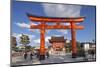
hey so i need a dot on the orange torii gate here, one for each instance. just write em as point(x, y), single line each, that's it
point(43, 26)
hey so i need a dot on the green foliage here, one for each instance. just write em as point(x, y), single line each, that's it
point(15, 49)
point(69, 46)
point(81, 53)
point(28, 48)
point(24, 39)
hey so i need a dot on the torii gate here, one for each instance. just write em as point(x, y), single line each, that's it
point(43, 26)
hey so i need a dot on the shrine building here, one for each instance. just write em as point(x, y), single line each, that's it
point(57, 45)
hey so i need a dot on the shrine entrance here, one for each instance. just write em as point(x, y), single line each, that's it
point(58, 20)
point(57, 46)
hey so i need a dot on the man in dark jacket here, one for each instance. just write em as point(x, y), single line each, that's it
point(25, 55)
point(31, 56)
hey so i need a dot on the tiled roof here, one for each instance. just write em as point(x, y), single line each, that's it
point(57, 39)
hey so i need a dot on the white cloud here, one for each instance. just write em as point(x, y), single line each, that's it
point(63, 31)
point(34, 30)
point(46, 39)
point(16, 35)
point(61, 10)
point(37, 41)
point(23, 25)
point(34, 23)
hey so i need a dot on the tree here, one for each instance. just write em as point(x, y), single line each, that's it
point(78, 45)
point(24, 39)
point(68, 47)
point(28, 48)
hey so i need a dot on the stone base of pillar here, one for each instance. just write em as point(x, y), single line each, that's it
point(74, 55)
point(42, 57)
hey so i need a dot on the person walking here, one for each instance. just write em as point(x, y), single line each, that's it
point(92, 53)
point(25, 55)
point(37, 54)
point(31, 56)
point(47, 54)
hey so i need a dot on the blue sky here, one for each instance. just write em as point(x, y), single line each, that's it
point(20, 20)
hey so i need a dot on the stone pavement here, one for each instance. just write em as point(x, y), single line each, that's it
point(52, 59)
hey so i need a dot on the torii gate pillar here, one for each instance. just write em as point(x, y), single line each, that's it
point(73, 35)
point(42, 43)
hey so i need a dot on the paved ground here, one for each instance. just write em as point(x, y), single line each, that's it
point(52, 59)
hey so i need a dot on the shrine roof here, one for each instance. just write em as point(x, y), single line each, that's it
point(57, 39)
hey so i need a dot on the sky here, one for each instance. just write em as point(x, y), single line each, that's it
point(20, 22)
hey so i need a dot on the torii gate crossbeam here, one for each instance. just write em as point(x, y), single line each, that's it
point(43, 26)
